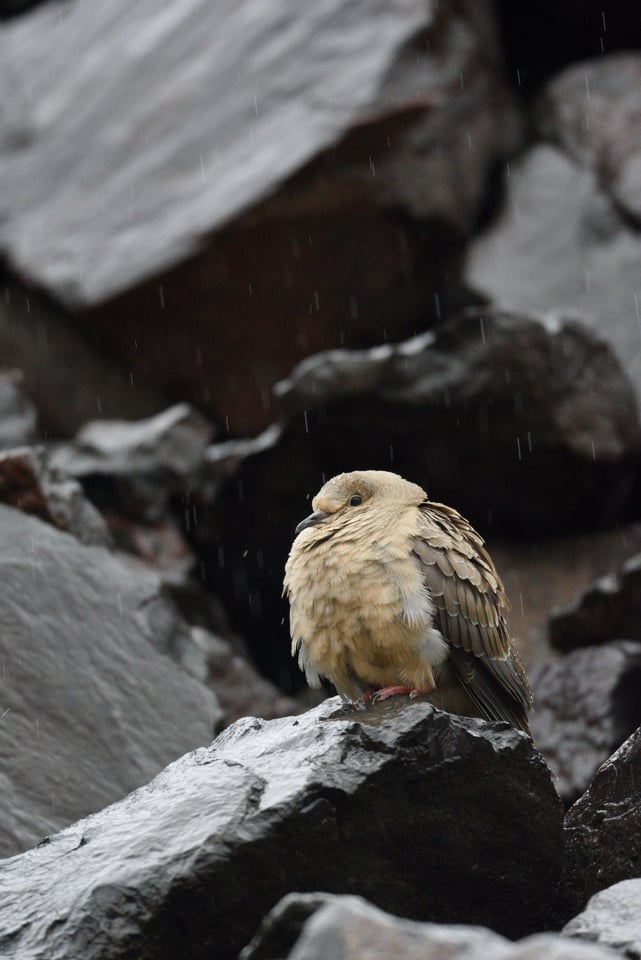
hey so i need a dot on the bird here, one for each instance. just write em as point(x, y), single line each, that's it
point(392, 593)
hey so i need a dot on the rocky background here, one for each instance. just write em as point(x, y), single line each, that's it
point(245, 246)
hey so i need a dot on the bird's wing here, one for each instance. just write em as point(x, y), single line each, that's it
point(471, 601)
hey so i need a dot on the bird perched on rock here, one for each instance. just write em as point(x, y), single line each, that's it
point(392, 593)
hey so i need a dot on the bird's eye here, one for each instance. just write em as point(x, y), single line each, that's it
point(355, 500)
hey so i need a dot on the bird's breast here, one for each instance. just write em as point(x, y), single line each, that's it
point(358, 608)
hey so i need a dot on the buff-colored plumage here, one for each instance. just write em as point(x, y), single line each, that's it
point(388, 589)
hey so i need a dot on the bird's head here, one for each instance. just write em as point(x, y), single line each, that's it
point(363, 493)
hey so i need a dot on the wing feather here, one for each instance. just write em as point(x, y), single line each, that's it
point(471, 603)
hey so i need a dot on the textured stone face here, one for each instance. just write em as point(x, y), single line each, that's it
point(91, 703)
point(612, 917)
point(562, 244)
point(428, 815)
point(603, 836)
point(128, 205)
point(305, 183)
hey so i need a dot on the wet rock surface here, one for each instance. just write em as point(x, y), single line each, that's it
point(587, 704)
point(612, 917)
point(91, 704)
point(313, 802)
point(308, 229)
point(111, 245)
point(316, 926)
point(603, 832)
point(560, 244)
point(352, 150)
point(592, 110)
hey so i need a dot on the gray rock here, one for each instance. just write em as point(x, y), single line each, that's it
point(222, 461)
point(587, 704)
point(137, 466)
point(318, 926)
point(609, 608)
point(314, 196)
point(126, 206)
point(603, 829)
point(550, 372)
point(612, 917)
point(592, 111)
point(91, 704)
point(560, 245)
point(368, 803)
point(171, 442)
point(18, 415)
point(27, 481)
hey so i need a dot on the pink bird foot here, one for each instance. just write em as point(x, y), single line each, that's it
point(386, 692)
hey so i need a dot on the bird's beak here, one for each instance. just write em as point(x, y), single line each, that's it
point(311, 520)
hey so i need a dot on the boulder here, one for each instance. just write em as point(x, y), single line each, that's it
point(91, 705)
point(593, 111)
point(317, 926)
point(612, 917)
point(607, 609)
point(355, 150)
point(136, 466)
point(504, 371)
point(366, 803)
point(603, 829)
point(587, 704)
point(559, 243)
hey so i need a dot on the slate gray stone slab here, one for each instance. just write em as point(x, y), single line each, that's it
point(91, 703)
point(172, 122)
point(427, 814)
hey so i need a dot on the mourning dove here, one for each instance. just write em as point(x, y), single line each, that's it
point(392, 593)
